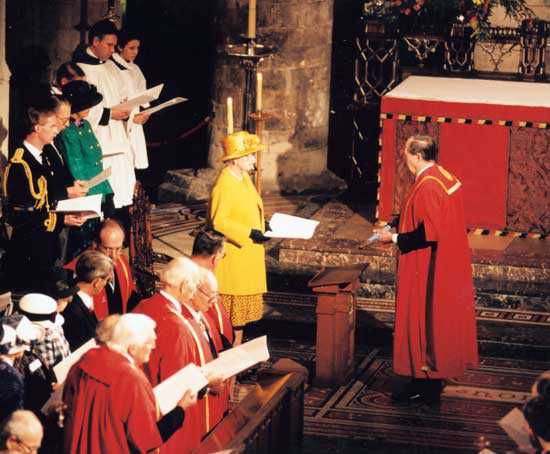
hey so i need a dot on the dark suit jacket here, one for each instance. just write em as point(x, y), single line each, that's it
point(80, 323)
point(58, 175)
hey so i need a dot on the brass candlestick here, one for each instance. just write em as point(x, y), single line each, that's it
point(259, 119)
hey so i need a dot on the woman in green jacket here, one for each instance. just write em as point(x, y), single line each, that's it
point(83, 155)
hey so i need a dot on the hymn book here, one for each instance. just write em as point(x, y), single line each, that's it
point(235, 360)
point(88, 206)
point(287, 226)
point(99, 178)
point(170, 391)
point(164, 105)
point(141, 98)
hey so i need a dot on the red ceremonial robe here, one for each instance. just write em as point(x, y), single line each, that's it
point(124, 278)
point(179, 342)
point(220, 319)
point(435, 327)
point(111, 406)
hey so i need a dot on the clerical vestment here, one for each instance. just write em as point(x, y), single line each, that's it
point(111, 406)
point(179, 342)
point(110, 133)
point(435, 328)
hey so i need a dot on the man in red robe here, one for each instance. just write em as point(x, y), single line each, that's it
point(180, 341)
point(208, 250)
point(110, 403)
point(119, 295)
point(435, 327)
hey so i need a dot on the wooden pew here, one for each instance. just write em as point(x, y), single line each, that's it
point(268, 420)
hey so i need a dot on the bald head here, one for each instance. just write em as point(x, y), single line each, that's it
point(110, 238)
point(21, 432)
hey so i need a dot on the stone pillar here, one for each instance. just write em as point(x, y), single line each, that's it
point(4, 86)
point(296, 91)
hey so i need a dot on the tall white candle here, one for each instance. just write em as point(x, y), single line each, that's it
point(229, 115)
point(251, 19)
point(259, 83)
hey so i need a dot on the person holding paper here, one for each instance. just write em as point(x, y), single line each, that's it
point(84, 157)
point(110, 404)
point(107, 121)
point(236, 210)
point(435, 296)
point(208, 250)
point(180, 341)
point(30, 210)
point(128, 49)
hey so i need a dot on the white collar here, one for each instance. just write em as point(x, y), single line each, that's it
point(89, 51)
point(86, 299)
point(172, 300)
point(118, 58)
point(36, 153)
point(129, 358)
point(196, 315)
point(424, 169)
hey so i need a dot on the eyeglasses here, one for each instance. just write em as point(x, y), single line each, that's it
point(209, 296)
point(26, 448)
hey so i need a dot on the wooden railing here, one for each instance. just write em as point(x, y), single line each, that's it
point(268, 420)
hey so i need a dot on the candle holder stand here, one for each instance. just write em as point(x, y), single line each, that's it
point(250, 53)
point(259, 119)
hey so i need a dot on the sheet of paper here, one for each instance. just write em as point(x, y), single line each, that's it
point(88, 206)
point(61, 369)
point(100, 177)
point(141, 98)
point(164, 105)
point(515, 425)
point(235, 360)
point(170, 391)
point(287, 226)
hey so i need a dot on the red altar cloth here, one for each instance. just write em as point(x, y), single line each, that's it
point(491, 135)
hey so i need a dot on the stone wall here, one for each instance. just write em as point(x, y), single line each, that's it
point(296, 90)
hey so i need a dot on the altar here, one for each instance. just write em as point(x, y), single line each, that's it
point(493, 135)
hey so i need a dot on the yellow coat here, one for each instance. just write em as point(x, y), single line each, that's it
point(235, 209)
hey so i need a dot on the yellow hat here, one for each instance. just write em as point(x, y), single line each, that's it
point(240, 144)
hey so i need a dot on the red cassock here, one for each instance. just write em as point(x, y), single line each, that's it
point(111, 406)
point(435, 327)
point(220, 319)
point(124, 278)
point(179, 342)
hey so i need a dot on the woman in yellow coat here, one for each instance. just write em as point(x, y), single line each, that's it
point(236, 210)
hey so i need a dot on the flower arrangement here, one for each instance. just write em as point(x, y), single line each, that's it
point(437, 16)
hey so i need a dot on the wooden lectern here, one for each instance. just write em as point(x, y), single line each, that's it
point(336, 306)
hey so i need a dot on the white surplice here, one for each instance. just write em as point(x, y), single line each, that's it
point(136, 83)
point(106, 77)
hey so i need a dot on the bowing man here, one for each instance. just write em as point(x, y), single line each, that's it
point(180, 341)
point(110, 404)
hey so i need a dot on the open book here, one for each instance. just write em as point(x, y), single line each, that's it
point(88, 207)
point(235, 360)
point(170, 391)
point(164, 105)
point(287, 226)
point(141, 98)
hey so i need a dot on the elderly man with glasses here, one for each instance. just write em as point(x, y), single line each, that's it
point(21, 433)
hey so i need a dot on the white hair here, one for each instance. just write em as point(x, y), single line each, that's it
point(21, 424)
point(131, 330)
point(182, 274)
point(207, 277)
